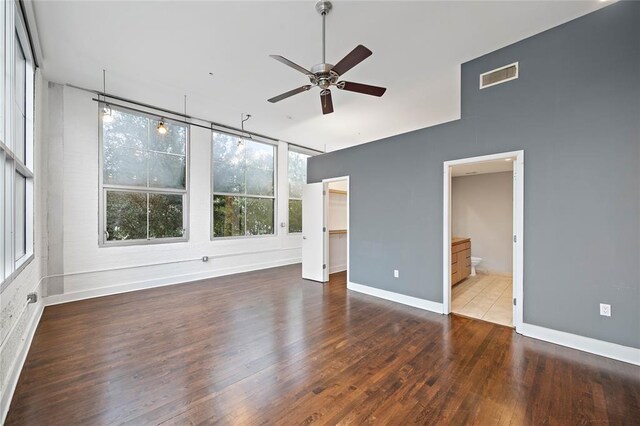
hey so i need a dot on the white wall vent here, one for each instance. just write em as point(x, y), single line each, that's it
point(499, 75)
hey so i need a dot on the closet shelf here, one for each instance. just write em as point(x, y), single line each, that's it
point(337, 231)
point(337, 191)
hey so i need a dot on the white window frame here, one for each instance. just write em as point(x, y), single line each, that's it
point(14, 29)
point(104, 188)
point(274, 197)
point(303, 151)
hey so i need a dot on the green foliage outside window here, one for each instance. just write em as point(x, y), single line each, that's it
point(297, 171)
point(243, 186)
point(144, 177)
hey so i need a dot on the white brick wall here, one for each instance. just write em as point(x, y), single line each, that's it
point(80, 222)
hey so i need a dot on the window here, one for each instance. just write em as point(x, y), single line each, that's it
point(297, 171)
point(16, 144)
point(144, 179)
point(243, 187)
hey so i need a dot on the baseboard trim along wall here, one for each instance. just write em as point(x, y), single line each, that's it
point(165, 281)
point(581, 343)
point(427, 305)
point(16, 368)
point(337, 268)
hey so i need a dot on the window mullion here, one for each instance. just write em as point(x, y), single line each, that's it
point(148, 208)
point(22, 169)
point(147, 153)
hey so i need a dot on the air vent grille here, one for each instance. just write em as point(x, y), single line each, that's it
point(499, 75)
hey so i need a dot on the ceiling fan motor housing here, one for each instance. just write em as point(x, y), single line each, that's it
point(323, 76)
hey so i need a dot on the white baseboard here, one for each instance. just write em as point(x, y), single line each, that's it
point(427, 305)
point(581, 343)
point(494, 273)
point(161, 282)
point(337, 268)
point(16, 368)
point(585, 344)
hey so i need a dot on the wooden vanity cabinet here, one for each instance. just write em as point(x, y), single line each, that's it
point(460, 259)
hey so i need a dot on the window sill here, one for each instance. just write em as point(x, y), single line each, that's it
point(244, 237)
point(27, 260)
point(129, 243)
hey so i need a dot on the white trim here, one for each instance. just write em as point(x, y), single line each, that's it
point(517, 65)
point(18, 364)
point(161, 282)
point(518, 247)
point(581, 343)
point(415, 302)
point(337, 268)
point(30, 19)
point(326, 239)
point(518, 229)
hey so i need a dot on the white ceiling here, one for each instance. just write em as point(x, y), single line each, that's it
point(158, 51)
point(495, 166)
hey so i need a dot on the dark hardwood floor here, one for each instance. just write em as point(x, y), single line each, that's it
point(268, 347)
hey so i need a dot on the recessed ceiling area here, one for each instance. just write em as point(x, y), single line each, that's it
point(480, 168)
point(217, 53)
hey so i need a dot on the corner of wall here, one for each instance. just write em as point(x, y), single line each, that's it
point(19, 318)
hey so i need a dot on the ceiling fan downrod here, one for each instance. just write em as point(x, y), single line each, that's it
point(323, 7)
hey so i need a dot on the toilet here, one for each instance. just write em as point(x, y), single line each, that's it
point(475, 261)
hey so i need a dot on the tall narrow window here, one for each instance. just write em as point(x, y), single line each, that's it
point(243, 187)
point(20, 230)
point(16, 145)
point(144, 179)
point(297, 171)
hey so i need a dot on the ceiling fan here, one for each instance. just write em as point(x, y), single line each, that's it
point(325, 75)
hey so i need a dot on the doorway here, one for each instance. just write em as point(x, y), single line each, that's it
point(482, 237)
point(325, 230)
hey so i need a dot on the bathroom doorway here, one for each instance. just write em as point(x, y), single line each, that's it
point(482, 238)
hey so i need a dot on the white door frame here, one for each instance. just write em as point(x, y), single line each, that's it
point(326, 236)
point(518, 230)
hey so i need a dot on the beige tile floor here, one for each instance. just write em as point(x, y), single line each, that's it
point(486, 297)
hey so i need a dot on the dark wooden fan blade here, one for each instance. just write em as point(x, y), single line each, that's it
point(291, 64)
point(361, 88)
point(326, 101)
point(289, 93)
point(357, 55)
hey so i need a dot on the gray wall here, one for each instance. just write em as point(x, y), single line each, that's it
point(482, 209)
point(575, 111)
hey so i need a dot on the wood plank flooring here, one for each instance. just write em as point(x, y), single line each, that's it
point(267, 347)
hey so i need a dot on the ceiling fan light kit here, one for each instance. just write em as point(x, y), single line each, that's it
point(325, 75)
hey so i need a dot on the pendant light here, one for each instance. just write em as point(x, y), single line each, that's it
point(107, 115)
point(162, 127)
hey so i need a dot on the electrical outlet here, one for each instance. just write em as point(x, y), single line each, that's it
point(396, 273)
point(605, 310)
